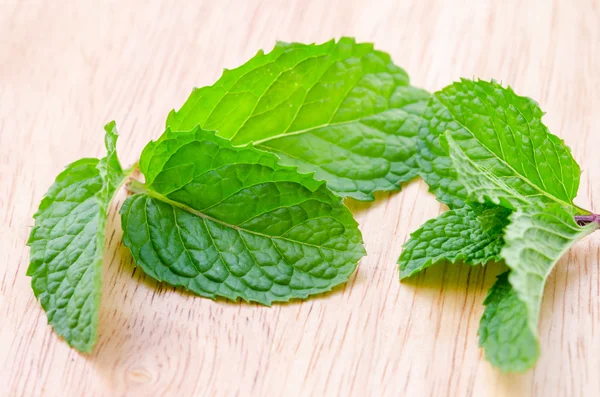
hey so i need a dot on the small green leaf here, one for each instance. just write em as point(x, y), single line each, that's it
point(110, 164)
point(504, 332)
point(472, 234)
point(340, 109)
point(500, 149)
point(67, 243)
point(225, 221)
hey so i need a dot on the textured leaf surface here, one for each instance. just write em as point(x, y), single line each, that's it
point(340, 109)
point(504, 332)
point(500, 149)
point(535, 240)
point(435, 165)
point(67, 242)
point(231, 222)
point(472, 234)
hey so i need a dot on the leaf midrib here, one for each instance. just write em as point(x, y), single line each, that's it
point(138, 187)
point(330, 124)
point(503, 161)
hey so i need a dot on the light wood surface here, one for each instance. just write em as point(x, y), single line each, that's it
point(67, 67)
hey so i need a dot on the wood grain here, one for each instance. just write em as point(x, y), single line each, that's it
point(66, 68)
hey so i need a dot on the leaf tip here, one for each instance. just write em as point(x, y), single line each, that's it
point(111, 127)
point(110, 138)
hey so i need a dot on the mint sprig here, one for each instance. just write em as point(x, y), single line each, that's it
point(484, 144)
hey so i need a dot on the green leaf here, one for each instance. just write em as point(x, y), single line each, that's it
point(472, 235)
point(504, 332)
point(67, 243)
point(536, 239)
point(225, 221)
point(500, 149)
point(340, 109)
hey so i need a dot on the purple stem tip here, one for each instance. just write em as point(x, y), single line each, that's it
point(583, 220)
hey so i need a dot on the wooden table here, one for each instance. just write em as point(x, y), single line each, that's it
point(66, 68)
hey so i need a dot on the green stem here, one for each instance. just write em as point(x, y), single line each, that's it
point(134, 167)
point(135, 186)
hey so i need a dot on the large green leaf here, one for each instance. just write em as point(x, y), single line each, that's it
point(472, 234)
point(230, 221)
point(340, 109)
point(67, 242)
point(500, 149)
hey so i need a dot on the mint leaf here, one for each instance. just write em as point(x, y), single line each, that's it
point(536, 239)
point(67, 243)
point(501, 135)
point(225, 221)
point(504, 332)
point(340, 109)
point(472, 234)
